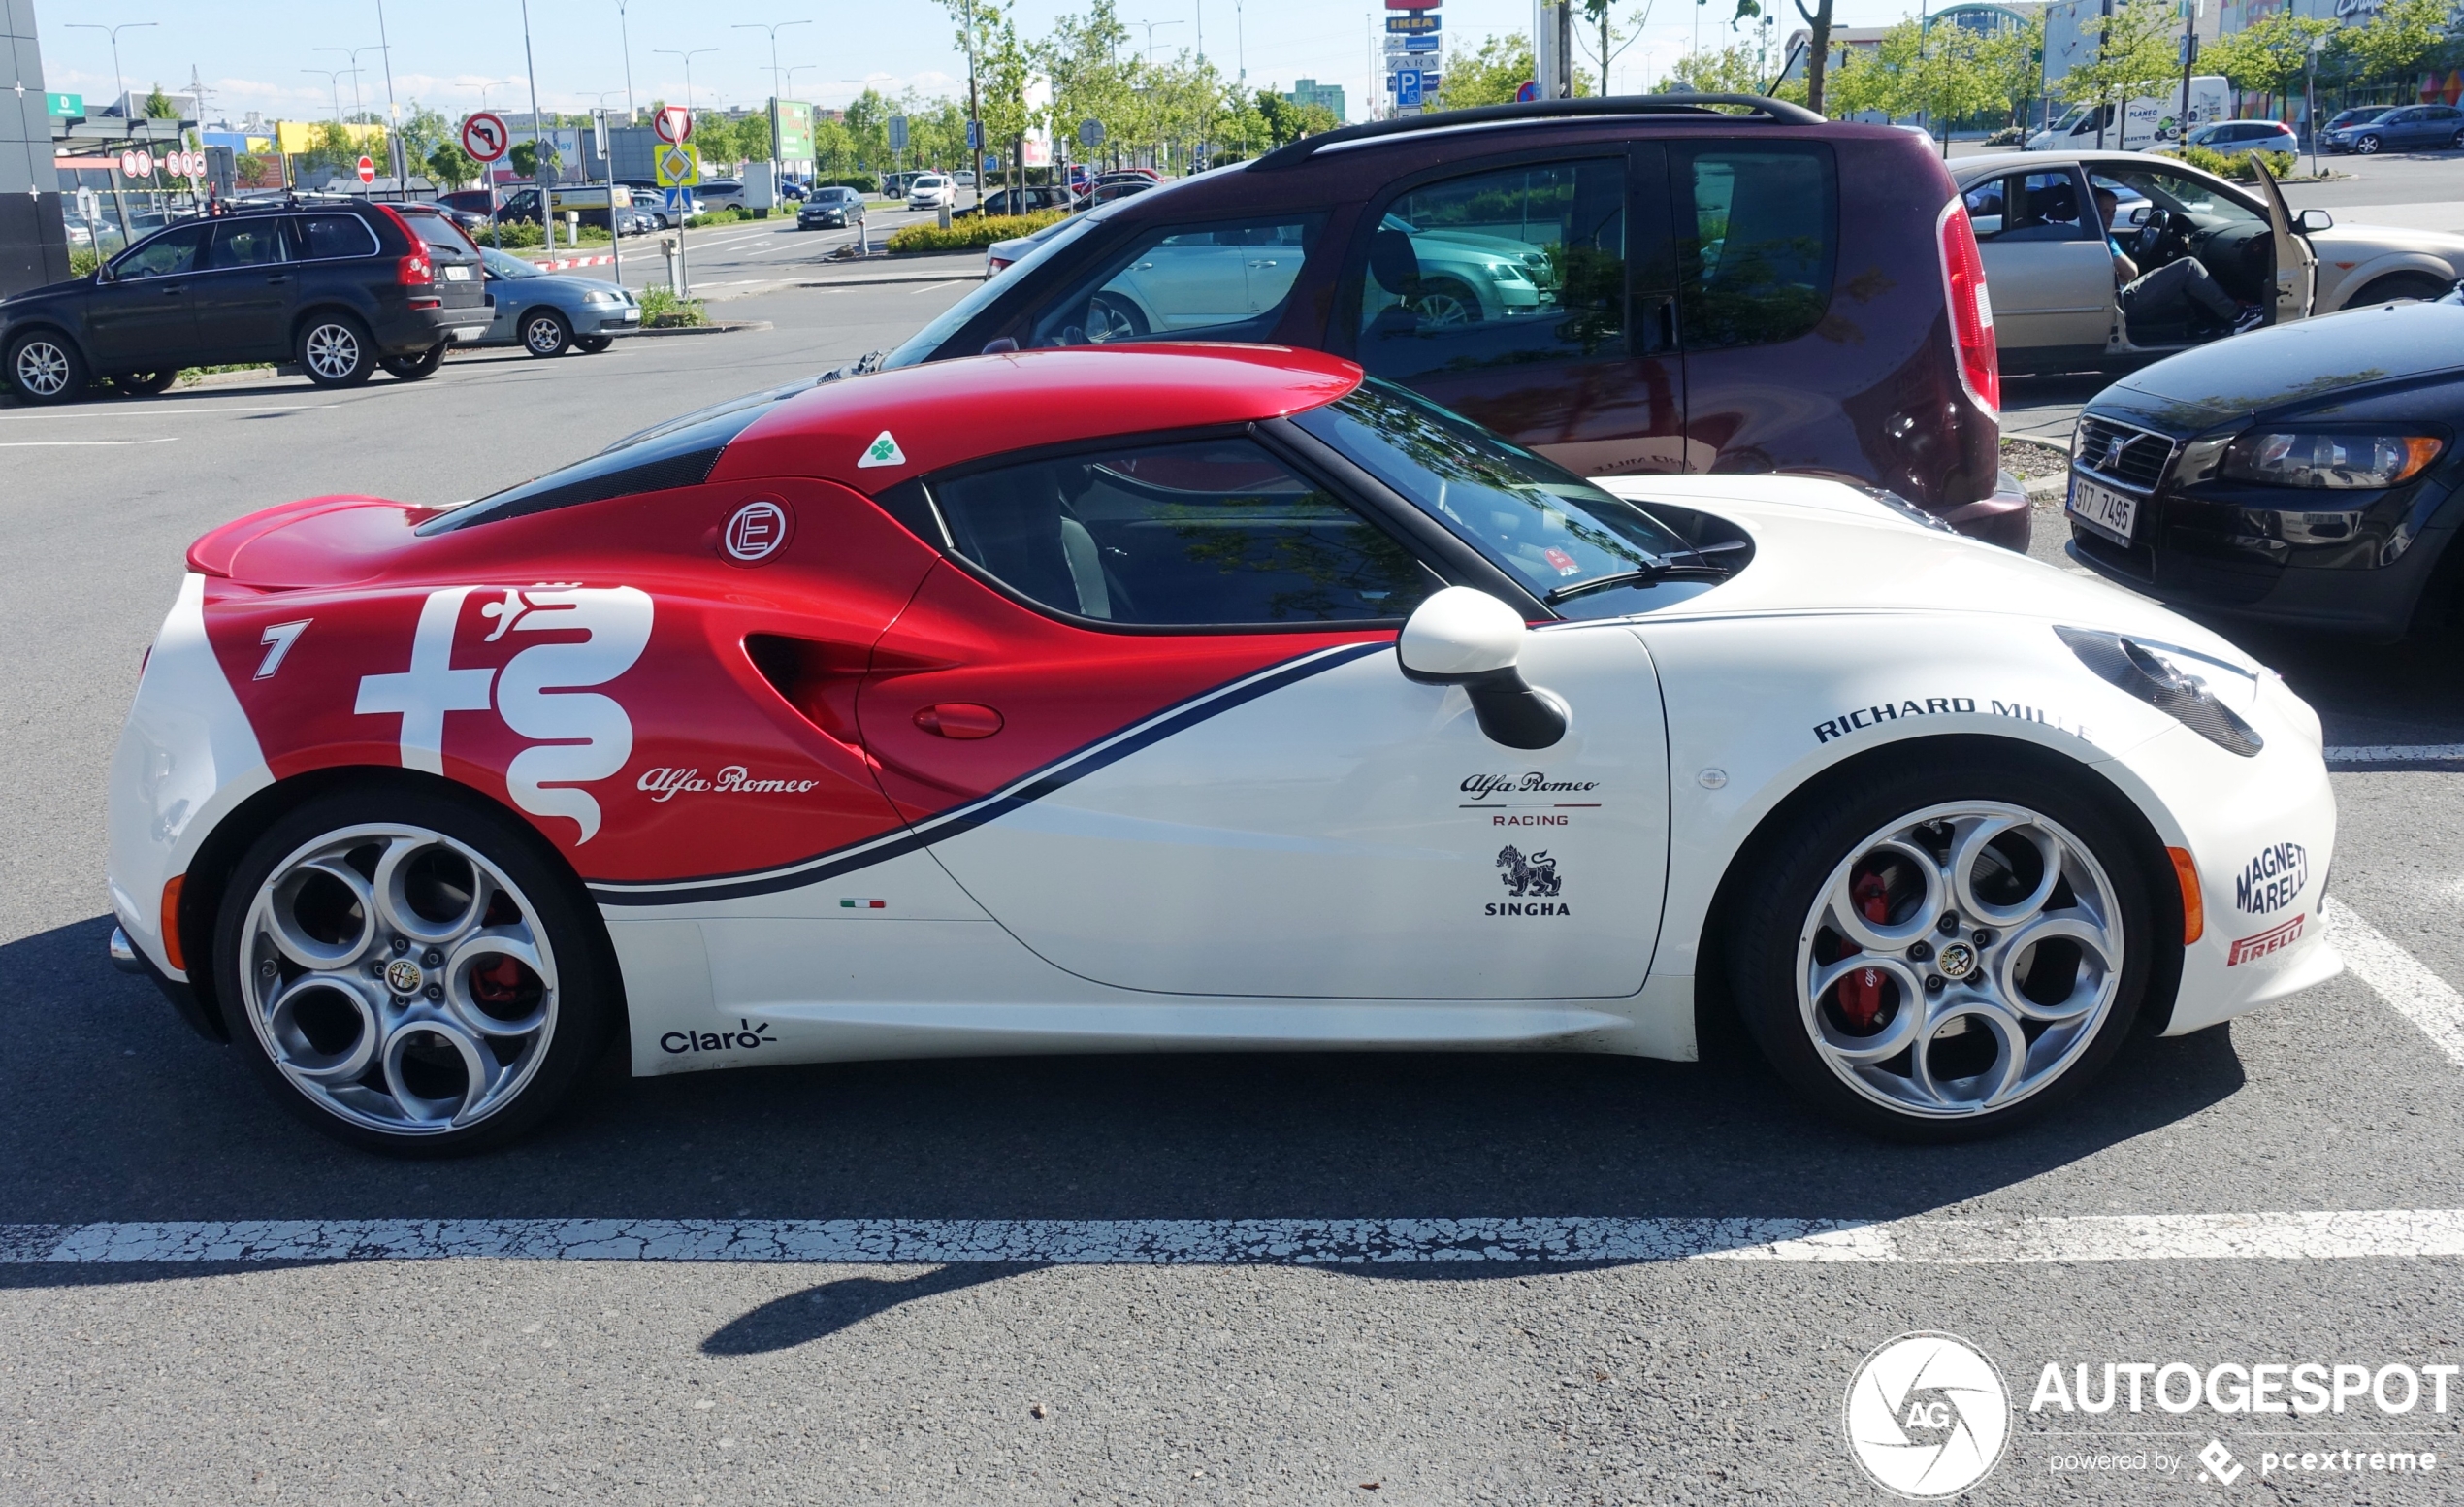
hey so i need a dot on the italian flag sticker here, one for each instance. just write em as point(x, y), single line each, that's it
point(882, 451)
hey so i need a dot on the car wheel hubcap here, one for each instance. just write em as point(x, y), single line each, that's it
point(1441, 310)
point(1960, 959)
point(333, 351)
point(544, 335)
point(43, 369)
point(398, 978)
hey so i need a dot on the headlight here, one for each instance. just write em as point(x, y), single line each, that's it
point(1505, 272)
point(2147, 674)
point(602, 296)
point(2314, 458)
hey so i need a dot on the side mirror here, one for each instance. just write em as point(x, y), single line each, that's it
point(1467, 638)
point(103, 273)
point(2138, 214)
point(2317, 219)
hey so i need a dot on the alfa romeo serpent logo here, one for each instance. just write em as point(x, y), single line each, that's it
point(1927, 1415)
point(404, 977)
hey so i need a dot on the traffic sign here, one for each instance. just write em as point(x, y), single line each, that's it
point(1408, 88)
point(1090, 132)
point(992, 164)
point(366, 170)
point(898, 133)
point(674, 126)
point(975, 136)
point(678, 167)
point(137, 163)
point(89, 206)
point(70, 106)
point(485, 137)
point(1529, 92)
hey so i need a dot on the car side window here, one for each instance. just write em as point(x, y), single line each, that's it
point(1205, 533)
point(168, 254)
point(318, 237)
point(1495, 269)
point(249, 243)
point(2043, 207)
point(1759, 235)
point(1986, 203)
point(1217, 281)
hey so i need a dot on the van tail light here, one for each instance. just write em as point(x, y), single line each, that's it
point(1971, 309)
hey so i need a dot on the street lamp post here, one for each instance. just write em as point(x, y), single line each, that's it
point(334, 76)
point(975, 121)
point(626, 39)
point(531, 71)
point(396, 148)
point(120, 83)
point(773, 28)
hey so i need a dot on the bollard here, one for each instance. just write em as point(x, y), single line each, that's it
point(668, 249)
point(944, 216)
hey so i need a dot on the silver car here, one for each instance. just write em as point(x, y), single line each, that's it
point(549, 312)
point(2052, 275)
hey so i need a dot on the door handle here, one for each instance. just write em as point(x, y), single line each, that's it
point(277, 279)
point(1659, 324)
point(959, 719)
point(174, 292)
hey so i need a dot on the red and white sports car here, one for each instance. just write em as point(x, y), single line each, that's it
point(1137, 699)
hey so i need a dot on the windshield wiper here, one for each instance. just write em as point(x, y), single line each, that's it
point(1659, 568)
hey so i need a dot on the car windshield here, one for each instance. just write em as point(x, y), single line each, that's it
point(1574, 546)
point(920, 345)
point(2206, 203)
point(501, 265)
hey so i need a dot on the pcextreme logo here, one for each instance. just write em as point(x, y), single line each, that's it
point(537, 693)
point(1927, 1415)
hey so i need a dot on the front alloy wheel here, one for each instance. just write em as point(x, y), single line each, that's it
point(44, 369)
point(417, 981)
point(544, 333)
point(1952, 953)
point(2368, 146)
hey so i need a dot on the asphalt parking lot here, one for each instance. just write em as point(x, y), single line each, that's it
point(1197, 1279)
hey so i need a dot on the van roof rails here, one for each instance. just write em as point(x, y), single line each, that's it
point(1777, 111)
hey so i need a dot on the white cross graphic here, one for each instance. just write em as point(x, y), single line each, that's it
point(431, 687)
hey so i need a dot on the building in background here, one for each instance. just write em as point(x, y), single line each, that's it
point(1308, 91)
point(34, 243)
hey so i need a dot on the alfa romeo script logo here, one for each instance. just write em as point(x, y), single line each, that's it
point(1927, 1415)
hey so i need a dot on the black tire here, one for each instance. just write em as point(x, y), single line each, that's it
point(143, 384)
point(2399, 286)
point(2367, 145)
point(1122, 319)
point(44, 367)
point(336, 350)
point(1773, 929)
point(412, 369)
point(593, 345)
point(579, 1006)
point(544, 333)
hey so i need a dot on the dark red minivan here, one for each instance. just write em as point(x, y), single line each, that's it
point(1627, 286)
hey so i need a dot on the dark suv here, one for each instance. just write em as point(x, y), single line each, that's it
point(339, 288)
point(1626, 286)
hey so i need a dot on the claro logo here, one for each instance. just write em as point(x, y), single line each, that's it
point(748, 1037)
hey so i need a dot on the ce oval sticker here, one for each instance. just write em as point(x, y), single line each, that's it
point(757, 532)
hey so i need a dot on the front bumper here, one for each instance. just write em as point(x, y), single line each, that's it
point(608, 319)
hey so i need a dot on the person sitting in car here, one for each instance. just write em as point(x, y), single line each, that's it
point(2179, 293)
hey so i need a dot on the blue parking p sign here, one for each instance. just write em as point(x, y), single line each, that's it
point(1407, 88)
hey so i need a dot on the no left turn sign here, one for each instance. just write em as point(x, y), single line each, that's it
point(485, 137)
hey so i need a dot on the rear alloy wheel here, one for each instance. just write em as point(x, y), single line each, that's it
point(2368, 146)
point(413, 976)
point(143, 384)
point(593, 345)
point(335, 351)
point(2400, 286)
point(45, 367)
point(1443, 304)
point(412, 369)
point(1111, 319)
point(544, 333)
point(1937, 969)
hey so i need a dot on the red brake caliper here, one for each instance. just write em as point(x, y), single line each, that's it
point(1861, 993)
point(497, 982)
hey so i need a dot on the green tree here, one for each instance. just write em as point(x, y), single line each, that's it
point(448, 166)
point(2012, 59)
point(1731, 69)
point(2138, 57)
point(1491, 75)
point(2268, 56)
point(2397, 38)
point(159, 106)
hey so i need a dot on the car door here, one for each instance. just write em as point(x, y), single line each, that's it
point(246, 292)
point(1148, 716)
point(1536, 296)
point(145, 320)
point(2296, 264)
point(1191, 281)
point(2047, 267)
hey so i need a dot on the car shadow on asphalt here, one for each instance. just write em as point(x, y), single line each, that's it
point(111, 1110)
point(819, 1312)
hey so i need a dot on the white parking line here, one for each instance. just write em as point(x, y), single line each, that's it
point(2345, 1235)
point(45, 445)
point(2411, 990)
point(2396, 753)
point(938, 286)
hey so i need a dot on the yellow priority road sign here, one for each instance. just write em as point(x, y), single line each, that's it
point(679, 167)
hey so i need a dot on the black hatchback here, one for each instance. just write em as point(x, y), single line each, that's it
point(339, 288)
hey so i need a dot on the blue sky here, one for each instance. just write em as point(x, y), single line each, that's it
point(251, 55)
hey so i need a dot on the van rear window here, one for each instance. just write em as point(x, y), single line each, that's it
point(1759, 237)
